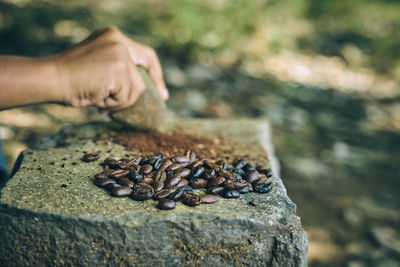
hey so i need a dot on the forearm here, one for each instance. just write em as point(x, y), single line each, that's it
point(26, 81)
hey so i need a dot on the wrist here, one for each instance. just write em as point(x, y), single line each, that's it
point(53, 79)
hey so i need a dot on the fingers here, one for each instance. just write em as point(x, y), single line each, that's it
point(129, 93)
point(147, 58)
point(115, 57)
point(138, 85)
point(110, 30)
point(156, 75)
point(108, 103)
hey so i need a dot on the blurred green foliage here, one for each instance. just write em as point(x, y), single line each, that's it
point(208, 29)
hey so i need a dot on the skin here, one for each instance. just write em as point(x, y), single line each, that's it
point(100, 71)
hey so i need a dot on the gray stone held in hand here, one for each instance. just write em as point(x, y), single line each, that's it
point(148, 111)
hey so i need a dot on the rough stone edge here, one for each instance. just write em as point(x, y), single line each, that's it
point(117, 244)
point(264, 134)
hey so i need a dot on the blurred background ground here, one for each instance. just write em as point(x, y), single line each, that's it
point(325, 73)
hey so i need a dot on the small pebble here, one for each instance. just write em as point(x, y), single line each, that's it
point(254, 202)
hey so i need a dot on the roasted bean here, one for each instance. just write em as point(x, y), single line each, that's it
point(185, 164)
point(125, 164)
point(192, 156)
point(146, 169)
point(215, 190)
point(136, 177)
point(244, 190)
point(102, 182)
point(172, 180)
point(165, 165)
point(91, 157)
point(238, 184)
point(158, 186)
point(121, 191)
point(228, 184)
point(224, 165)
point(117, 174)
point(160, 176)
point(136, 160)
point(237, 176)
point(174, 167)
point(251, 189)
point(208, 199)
point(216, 182)
point(155, 156)
point(180, 192)
point(151, 161)
point(165, 192)
point(159, 155)
point(110, 187)
point(225, 173)
point(237, 171)
point(134, 168)
point(209, 174)
point(183, 182)
point(180, 159)
point(262, 179)
point(126, 182)
point(196, 164)
point(142, 192)
point(187, 154)
point(220, 162)
point(191, 199)
point(113, 163)
point(248, 167)
point(211, 165)
point(267, 172)
point(198, 183)
point(230, 194)
point(263, 188)
point(196, 173)
point(252, 176)
point(158, 163)
point(147, 180)
point(183, 173)
point(240, 164)
point(166, 204)
point(102, 175)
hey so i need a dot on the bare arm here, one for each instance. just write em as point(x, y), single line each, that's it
point(101, 71)
point(27, 80)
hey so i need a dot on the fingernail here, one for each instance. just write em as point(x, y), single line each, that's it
point(164, 94)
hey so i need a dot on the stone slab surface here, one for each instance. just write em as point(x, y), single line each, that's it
point(51, 213)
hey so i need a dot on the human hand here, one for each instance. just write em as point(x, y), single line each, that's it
point(102, 71)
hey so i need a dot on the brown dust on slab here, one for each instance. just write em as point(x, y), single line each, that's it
point(176, 143)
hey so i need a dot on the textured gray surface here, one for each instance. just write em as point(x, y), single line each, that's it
point(147, 112)
point(43, 223)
